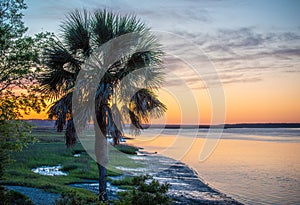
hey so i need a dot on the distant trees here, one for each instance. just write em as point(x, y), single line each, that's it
point(82, 34)
point(18, 59)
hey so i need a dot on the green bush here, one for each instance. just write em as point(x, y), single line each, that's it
point(151, 193)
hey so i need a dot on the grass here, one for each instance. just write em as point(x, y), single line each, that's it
point(51, 151)
point(12, 197)
point(127, 149)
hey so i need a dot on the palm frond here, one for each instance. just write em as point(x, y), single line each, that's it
point(115, 124)
point(60, 74)
point(103, 26)
point(144, 104)
point(128, 24)
point(107, 25)
point(76, 32)
point(143, 68)
point(61, 111)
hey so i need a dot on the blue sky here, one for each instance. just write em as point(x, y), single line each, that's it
point(249, 42)
point(196, 15)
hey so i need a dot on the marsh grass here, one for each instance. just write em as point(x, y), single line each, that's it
point(51, 151)
point(13, 197)
point(127, 149)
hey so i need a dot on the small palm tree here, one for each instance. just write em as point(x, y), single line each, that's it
point(82, 34)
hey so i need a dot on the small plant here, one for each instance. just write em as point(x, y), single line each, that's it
point(145, 192)
point(72, 198)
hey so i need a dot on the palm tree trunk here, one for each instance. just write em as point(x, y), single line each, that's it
point(102, 183)
point(101, 151)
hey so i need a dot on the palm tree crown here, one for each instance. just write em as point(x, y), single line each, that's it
point(82, 33)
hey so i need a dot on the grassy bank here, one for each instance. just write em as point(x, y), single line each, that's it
point(51, 151)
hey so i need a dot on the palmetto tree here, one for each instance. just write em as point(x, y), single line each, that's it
point(82, 34)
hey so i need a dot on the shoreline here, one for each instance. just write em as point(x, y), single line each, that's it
point(187, 187)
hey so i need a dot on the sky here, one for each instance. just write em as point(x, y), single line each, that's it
point(226, 61)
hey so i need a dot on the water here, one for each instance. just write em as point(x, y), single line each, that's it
point(37, 196)
point(254, 166)
point(93, 186)
point(49, 171)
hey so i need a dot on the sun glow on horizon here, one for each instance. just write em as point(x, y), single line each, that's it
point(245, 103)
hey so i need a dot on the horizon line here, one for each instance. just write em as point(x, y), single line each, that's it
point(201, 125)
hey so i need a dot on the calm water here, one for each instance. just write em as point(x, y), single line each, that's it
point(254, 166)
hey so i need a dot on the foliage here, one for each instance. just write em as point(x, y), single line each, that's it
point(17, 51)
point(18, 61)
point(145, 192)
point(14, 135)
point(82, 34)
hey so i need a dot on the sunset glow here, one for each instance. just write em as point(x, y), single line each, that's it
point(255, 54)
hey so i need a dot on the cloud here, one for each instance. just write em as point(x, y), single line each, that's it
point(241, 55)
point(243, 37)
point(180, 74)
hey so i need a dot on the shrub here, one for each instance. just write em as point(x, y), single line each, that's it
point(146, 193)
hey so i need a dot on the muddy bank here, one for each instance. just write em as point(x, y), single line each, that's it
point(186, 187)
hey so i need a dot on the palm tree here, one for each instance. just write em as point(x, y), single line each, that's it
point(82, 33)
